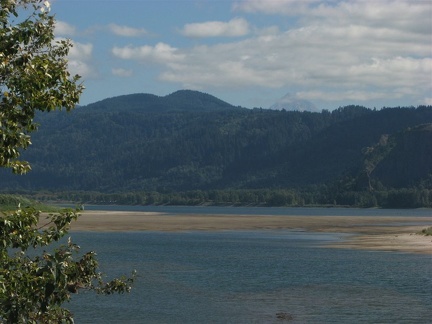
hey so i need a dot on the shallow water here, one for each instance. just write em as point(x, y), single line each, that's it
point(250, 276)
point(279, 211)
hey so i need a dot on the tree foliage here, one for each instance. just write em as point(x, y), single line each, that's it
point(37, 273)
point(334, 194)
point(33, 287)
point(33, 75)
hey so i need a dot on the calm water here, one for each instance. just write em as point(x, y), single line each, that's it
point(250, 276)
point(287, 211)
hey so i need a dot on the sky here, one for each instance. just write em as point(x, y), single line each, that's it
point(251, 53)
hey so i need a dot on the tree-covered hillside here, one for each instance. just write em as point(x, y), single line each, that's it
point(190, 140)
point(401, 160)
point(182, 100)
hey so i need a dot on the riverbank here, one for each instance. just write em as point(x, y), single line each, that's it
point(384, 233)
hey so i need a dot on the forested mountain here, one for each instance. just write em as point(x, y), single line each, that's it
point(183, 100)
point(400, 160)
point(189, 140)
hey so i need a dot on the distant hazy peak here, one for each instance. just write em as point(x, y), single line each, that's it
point(291, 102)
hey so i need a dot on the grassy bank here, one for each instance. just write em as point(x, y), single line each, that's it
point(10, 202)
point(427, 231)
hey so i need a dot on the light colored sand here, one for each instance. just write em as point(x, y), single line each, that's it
point(371, 233)
point(405, 242)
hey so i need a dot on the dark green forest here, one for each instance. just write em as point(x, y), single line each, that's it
point(192, 148)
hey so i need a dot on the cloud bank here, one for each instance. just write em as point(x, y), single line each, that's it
point(234, 28)
point(127, 31)
point(327, 51)
point(80, 60)
point(356, 50)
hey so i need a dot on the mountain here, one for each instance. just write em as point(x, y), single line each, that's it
point(291, 103)
point(402, 159)
point(182, 100)
point(189, 140)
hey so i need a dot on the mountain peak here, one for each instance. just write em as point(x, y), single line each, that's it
point(192, 100)
point(292, 102)
point(182, 100)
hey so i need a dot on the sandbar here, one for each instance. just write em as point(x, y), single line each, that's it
point(384, 233)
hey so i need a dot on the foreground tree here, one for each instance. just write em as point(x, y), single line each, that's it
point(33, 287)
point(33, 75)
point(35, 277)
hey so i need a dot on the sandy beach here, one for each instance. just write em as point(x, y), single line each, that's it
point(371, 233)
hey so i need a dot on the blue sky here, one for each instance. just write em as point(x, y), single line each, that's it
point(253, 52)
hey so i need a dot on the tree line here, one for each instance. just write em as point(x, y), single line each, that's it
point(323, 195)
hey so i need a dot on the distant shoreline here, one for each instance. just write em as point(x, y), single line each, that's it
point(385, 233)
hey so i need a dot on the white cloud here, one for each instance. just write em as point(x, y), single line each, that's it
point(267, 31)
point(353, 50)
point(286, 7)
point(403, 15)
point(160, 53)
point(80, 60)
point(340, 59)
point(126, 31)
point(124, 73)
point(64, 29)
point(81, 51)
point(233, 28)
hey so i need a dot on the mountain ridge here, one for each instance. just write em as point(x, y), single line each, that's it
point(181, 100)
point(180, 147)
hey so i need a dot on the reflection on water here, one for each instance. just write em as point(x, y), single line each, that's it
point(249, 277)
